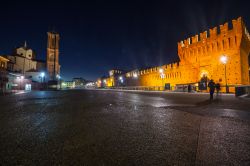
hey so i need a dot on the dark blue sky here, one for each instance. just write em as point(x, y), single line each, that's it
point(100, 35)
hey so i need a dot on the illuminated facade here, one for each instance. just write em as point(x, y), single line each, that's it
point(3, 73)
point(68, 85)
point(200, 57)
point(23, 63)
point(53, 66)
point(79, 82)
point(23, 59)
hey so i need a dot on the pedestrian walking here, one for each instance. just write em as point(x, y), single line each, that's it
point(189, 88)
point(217, 87)
point(211, 86)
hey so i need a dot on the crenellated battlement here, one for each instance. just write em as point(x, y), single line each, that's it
point(172, 66)
point(200, 55)
point(166, 67)
point(224, 29)
point(213, 33)
point(217, 40)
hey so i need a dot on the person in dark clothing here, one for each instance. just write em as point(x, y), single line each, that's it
point(217, 87)
point(211, 86)
point(189, 88)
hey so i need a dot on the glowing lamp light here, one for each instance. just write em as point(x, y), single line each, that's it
point(223, 59)
point(161, 71)
point(121, 79)
point(22, 77)
point(135, 75)
point(104, 81)
point(42, 74)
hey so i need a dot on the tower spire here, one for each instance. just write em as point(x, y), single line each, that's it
point(25, 44)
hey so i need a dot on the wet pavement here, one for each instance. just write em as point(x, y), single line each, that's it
point(100, 127)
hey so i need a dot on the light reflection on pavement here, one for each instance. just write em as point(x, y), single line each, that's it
point(123, 128)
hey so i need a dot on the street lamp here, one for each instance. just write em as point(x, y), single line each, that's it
point(161, 71)
point(224, 60)
point(135, 75)
point(104, 83)
point(162, 75)
point(59, 79)
point(42, 75)
point(121, 79)
point(58, 76)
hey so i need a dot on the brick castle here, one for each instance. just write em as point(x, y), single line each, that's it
point(199, 58)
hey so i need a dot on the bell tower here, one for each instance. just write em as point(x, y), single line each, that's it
point(53, 66)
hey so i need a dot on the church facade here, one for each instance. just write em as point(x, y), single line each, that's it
point(23, 59)
point(221, 54)
point(22, 63)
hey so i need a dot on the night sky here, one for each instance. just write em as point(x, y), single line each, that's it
point(100, 35)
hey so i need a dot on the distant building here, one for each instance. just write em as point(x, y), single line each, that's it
point(68, 84)
point(79, 82)
point(102, 82)
point(90, 85)
point(3, 63)
point(3, 73)
point(115, 72)
point(115, 78)
point(35, 76)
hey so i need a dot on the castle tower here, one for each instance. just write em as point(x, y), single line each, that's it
point(53, 66)
point(203, 52)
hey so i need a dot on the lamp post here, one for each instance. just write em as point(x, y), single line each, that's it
point(59, 79)
point(121, 79)
point(135, 75)
point(42, 75)
point(162, 75)
point(224, 60)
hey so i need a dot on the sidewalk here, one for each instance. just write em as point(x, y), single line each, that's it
point(16, 92)
point(146, 91)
